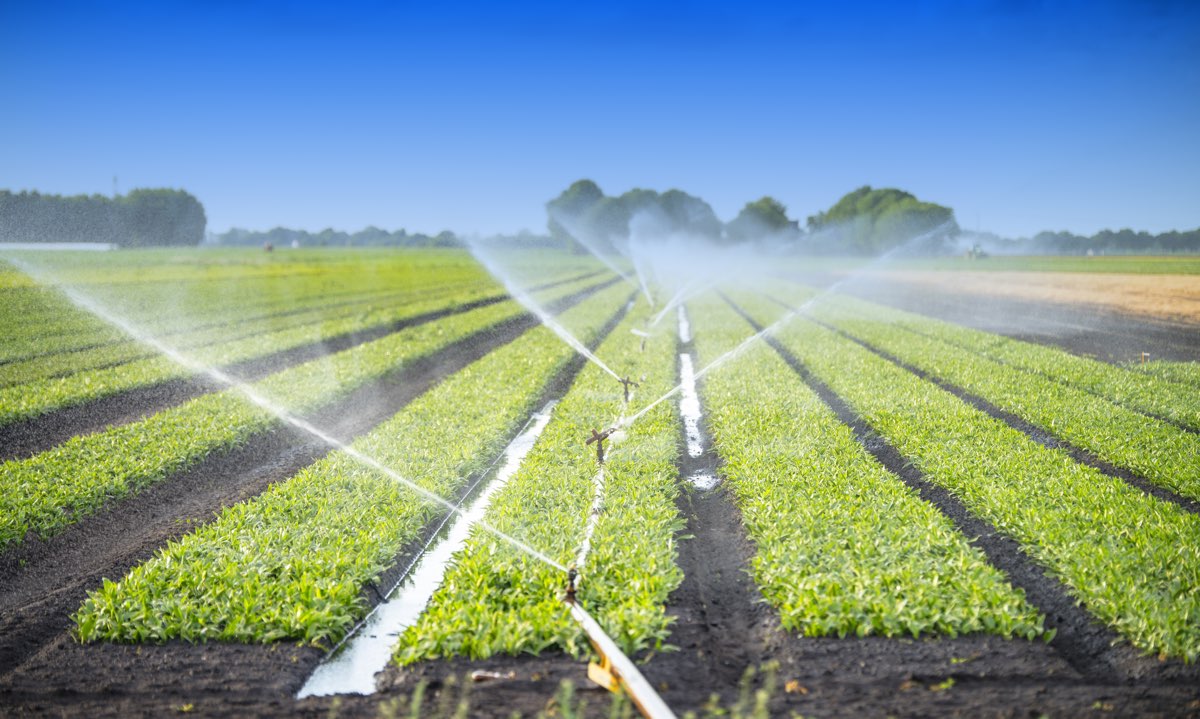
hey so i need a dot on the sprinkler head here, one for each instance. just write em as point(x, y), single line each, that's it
point(598, 438)
point(627, 383)
point(572, 574)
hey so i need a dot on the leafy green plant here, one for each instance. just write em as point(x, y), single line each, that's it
point(41, 396)
point(1131, 559)
point(496, 600)
point(293, 562)
point(1162, 453)
point(49, 491)
point(843, 547)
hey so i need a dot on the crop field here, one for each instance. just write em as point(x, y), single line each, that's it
point(221, 472)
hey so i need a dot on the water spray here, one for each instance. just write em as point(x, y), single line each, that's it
point(573, 229)
point(177, 356)
point(489, 262)
point(779, 323)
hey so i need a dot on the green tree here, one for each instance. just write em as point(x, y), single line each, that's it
point(870, 221)
point(763, 218)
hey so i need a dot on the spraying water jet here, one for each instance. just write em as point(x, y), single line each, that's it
point(91, 305)
point(492, 265)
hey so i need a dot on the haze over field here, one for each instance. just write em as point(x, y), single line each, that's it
point(1021, 116)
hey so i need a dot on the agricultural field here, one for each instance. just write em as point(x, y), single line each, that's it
point(223, 472)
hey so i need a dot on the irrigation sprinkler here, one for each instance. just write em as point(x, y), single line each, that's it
point(598, 438)
point(572, 575)
point(643, 335)
point(626, 383)
point(615, 671)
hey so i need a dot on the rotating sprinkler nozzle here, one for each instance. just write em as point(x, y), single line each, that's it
point(598, 438)
point(627, 383)
point(572, 575)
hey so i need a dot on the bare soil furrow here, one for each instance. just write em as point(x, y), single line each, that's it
point(722, 624)
point(1034, 432)
point(1086, 330)
point(1082, 641)
point(29, 437)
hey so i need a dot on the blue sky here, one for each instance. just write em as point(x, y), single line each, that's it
point(1022, 115)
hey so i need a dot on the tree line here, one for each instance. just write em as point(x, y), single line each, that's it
point(583, 213)
point(368, 237)
point(865, 221)
point(142, 218)
point(1105, 242)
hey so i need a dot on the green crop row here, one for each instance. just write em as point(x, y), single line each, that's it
point(1187, 373)
point(1132, 560)
point(169, 292)
point(38, 320)
point(293, 562)
point(843, 546)
point(211, 338)
point(1162, 453)
point(1157, 396)
point(497, 600)
point(46, 492)
point(37, 398)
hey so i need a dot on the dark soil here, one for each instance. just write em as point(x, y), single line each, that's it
point(722, 628)
point(1034, 432)
point(37, 434)
point(1106, 335)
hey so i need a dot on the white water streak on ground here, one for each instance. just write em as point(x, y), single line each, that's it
point(351, 668)
point(95, 307)
point(689, 407)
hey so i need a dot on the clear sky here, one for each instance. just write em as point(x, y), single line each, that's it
point(1021, 115)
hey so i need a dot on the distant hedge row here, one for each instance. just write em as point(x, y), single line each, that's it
point(142, 218)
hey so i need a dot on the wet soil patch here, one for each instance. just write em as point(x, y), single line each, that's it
point(721, 625)
point(1084, 330)
point(38, 434)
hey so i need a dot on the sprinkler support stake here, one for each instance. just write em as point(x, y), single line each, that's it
point(627, 383)
point(598, 438)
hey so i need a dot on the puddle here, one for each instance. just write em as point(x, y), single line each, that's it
point(352, 666)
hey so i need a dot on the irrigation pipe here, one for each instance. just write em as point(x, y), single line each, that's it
point(615, 670)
